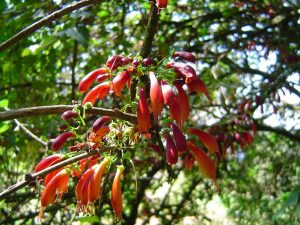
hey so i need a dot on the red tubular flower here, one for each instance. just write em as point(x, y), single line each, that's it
point(116, 194)
point(50, 175)
point(171, 150)
point(100, 122)
point(183, 102)
point(206, 166)
point(61, 139)
point(162, 3)
point(69, 114)
point(175, 112)
point(185, 55)
point(207, 140)
point(100, 91)
point(168, 94)
point(143, 113)
point(120, 81)
point(156, 96)
point(179, 138)
point(87, 81)
point(102, 77)
point(95, 184)
point(183, 71)
point(58, 183)
point(199, 87)
point(48, 161)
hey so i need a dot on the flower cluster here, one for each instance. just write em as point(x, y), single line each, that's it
point(162, 110)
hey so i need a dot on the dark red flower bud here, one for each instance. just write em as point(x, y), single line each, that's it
point(69, 114)
point(63, 127)
point(148, 62)
point(135, 62)
point(61, 139)
point(114, 62)
point(100, 122)
point(126, 61)
point(171, 150)
point(185, 55)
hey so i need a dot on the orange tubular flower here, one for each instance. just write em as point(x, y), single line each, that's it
point(207, 140)
point(98, 136)
point(87, 81)
point(143, 113)
point(206, 166)
point(58, 183)
point(95, 184)
point(116, 194)
point(98, 92)
point(81, 188)
point(156, 96)
point(199, 87)
point(120, 81)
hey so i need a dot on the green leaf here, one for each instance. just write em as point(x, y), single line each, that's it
point(3, 103)
point(26, 52)
point(4, 126)
point(103, 13)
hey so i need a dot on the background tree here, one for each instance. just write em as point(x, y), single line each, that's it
point(247, 55)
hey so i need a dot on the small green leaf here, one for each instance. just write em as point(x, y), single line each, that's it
point(4, 126)
point(103, 13)
point(26, 52)
point(3, 103)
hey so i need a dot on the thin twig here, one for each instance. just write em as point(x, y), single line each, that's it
point(30, 134)
point(57, 109)
point(46, 20)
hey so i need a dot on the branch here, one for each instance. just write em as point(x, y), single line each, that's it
point(46, 20)
point(30, 134)
point(150, 31)
point(278, 130)
point(57, 109)
point(147, 43)
point(31, 177)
